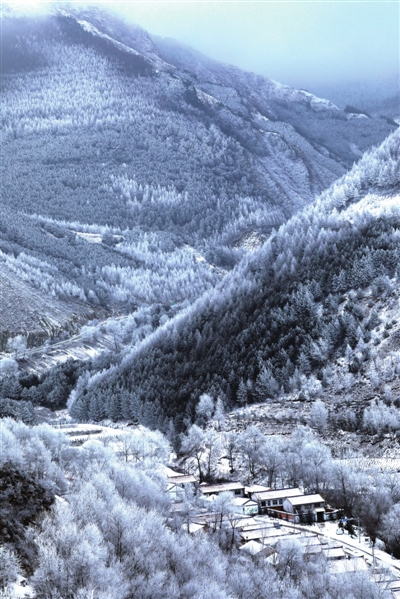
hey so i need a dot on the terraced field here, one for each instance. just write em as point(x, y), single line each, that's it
point(29, 312)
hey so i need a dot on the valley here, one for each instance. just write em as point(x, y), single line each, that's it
point(251, 163)
point(199, 304)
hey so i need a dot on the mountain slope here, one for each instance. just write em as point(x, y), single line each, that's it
point(278, 316)
point(326, 128)
point(115, 154)
point(94, 113)
point(34, 315)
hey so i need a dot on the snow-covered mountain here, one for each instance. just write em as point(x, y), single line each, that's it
point(279, 316)
point(193, 212)
point(147, 146)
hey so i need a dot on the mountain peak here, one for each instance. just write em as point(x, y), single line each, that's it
point(127, 37)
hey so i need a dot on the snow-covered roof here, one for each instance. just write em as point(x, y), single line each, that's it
point(193, 527)
point(313, 549)
point(244, 522)
point(306, 499)
point(172, 473)
point(182, 479)
point(278, 494)
point(309, 540)
point(243, 501)
point(220, 488)
point(334, 553)
point(349, 566)
point(256, 489)
point(271, 534)
point(252, 547)
point(258, 525)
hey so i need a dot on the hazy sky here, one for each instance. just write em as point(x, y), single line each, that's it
point(295, 42)
point(298, 42)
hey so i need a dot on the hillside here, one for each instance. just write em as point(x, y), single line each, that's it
point(35, 316)
point(375, 98)
point(199, 325)
point(119, 148)
point(279, 316)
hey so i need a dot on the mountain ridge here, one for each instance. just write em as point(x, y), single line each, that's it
point(160, 164)
point(269, 325)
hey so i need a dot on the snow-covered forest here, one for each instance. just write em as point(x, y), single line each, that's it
point(123, 144)
point(97, 521)
point(224, 249)
point(254, 340)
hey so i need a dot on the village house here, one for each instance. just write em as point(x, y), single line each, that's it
point(271, 502)
point(306, 507)
point(262, 536)
point(244, 505)
point(254, 489)
point(254, 548)
point(233, 487)
point(178, 484)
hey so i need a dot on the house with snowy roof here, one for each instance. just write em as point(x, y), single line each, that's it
point(306, 508)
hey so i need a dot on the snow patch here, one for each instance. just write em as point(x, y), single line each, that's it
point(21, 590)
point(251, 241)
point(90, 28)
point(90, 237)
point(261, 117)
point(206, 98)
point(303, 97)
point(355, 149)
point(375, 205)
point(352, 116)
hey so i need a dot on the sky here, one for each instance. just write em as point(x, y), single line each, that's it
point(298, 42)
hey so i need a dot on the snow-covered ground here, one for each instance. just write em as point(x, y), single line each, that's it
point(90, 237)
point(21, 590)
point(79, 433)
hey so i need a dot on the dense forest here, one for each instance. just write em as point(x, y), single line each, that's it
point(113, 211)
point(107, 132)
point(207, 236)
point(278, 316)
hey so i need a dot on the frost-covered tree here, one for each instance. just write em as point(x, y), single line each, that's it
point(212, 442)
point(319, 416)
point(271, 460)
point(390, 530)
point(251, 444)
point(17, 345)
point(10, 568)
point(372, 507)
point(205, 407)
point(219, 413)
point(8, 366)
point(230, 444)
point(193, 446)
point(290, 560)
point(379, 417)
